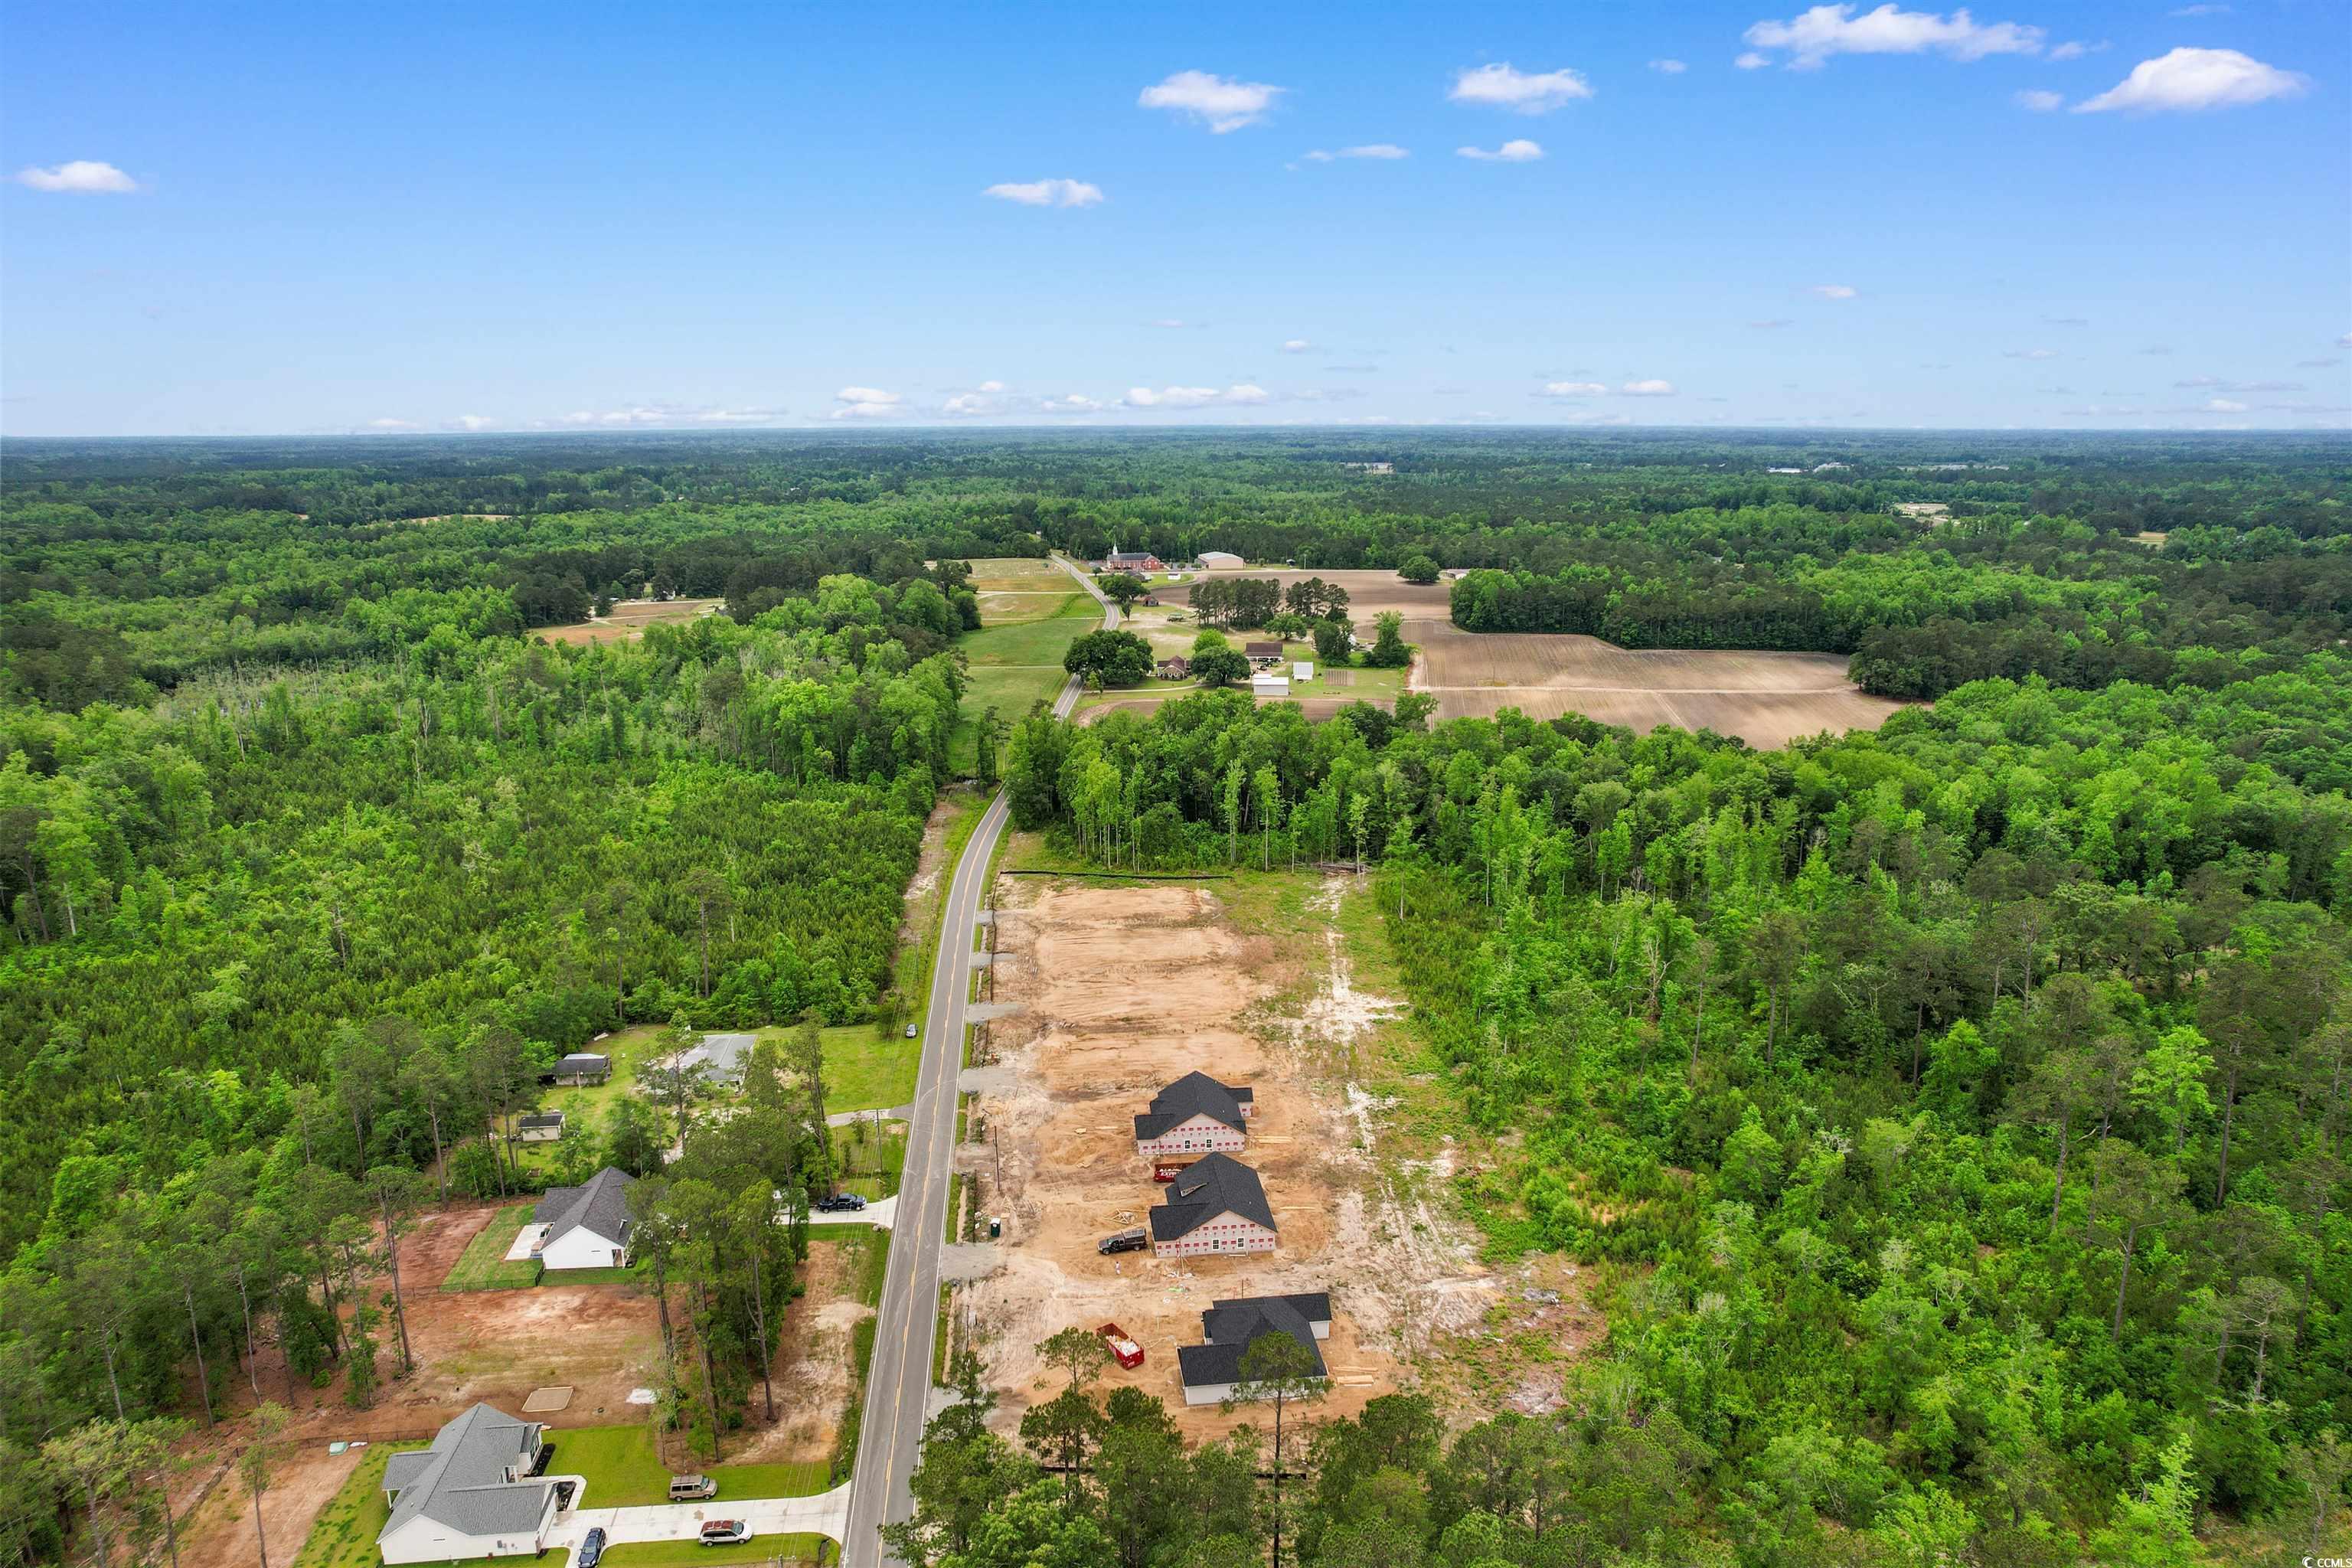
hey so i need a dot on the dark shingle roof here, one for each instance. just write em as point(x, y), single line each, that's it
point(584, 1061)
point(542, 1118)
point(1205, 1189)
point(1117, 556)
point(1232, 1326)
point(1262, 649)
point(462, 1481)
point(603, 1206)
point(1194, 1094)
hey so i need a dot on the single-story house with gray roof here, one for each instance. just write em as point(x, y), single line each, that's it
point(587, 1226)
point(471, 1494)
point(1212, 1370)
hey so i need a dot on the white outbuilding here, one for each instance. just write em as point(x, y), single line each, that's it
point(1276, 686)
point(1304, 670)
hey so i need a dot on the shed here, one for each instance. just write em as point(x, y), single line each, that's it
point(1269, 686)
point(539, 1127)
point(581, 1068)
point(1304, 670)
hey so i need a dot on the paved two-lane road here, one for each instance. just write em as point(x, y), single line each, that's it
point(899, 1378)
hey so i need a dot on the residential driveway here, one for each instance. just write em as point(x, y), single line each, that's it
point(881, 1213)
point(827, 1513)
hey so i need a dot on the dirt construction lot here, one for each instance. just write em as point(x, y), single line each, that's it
point(629, 620)
point(1124, 989)
point(495, 1345)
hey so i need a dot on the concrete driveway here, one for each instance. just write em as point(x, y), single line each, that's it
point(881, 1213)
point(827, 1513)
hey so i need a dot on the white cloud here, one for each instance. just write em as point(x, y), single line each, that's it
point(2073, 49)
point(392, 424)
point(475, 421)
point(83, 175)
point(1571, 389)
point(1175, 324)
point(1835, 291)
point(1047, 193)
point(2197, 79)
point(1518, 150)
point(2040, 100)
point(1752, 61)
point(1220, 102)
point(1297, 346)
point(2029, 354)
point(1668, 67)
point(1775, 324)
point(2345, 342)
point(1812, 36)
point(2200, 11)
point(1242, 393)
point(636, 415)
point(2223, 405)
point(1646, 389)
point(980, 400)
point(1387, 149)
point(1069, 403)
point(867, 403)
point(1523, 92)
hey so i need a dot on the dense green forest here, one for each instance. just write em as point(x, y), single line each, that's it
point(1958, 1112)
point(1968, 1099)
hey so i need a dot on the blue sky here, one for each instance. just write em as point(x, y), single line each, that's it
point(580, 217)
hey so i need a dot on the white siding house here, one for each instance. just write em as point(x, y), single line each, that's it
point(1212, 1370)
point(587, 1226)
point(471, 1494)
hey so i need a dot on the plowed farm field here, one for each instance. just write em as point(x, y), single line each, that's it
point(1765, 698)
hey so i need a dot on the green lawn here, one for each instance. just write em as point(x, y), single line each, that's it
point(1014, 664)
point(872, 1163)
point(344, 1534)
point(584, 1107)
point(759, 1549)
point(483, 1265)
point(624, 1469)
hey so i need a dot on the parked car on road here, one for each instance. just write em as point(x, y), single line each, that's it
point(1134, 1240)
point(725, 1532)
point(592, 1549)
point(840, 1203)
point(687, 1488)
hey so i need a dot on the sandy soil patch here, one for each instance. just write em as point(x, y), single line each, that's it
point(629, 620)
point(1767, 698)
point(1929, 511)
point(1123, 990)
point(812, 1374)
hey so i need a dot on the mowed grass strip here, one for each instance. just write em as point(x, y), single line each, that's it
point(794, 1549)
point(343, 1535)
point(483, 1265)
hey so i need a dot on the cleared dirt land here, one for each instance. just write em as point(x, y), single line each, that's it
point(494, 1345)
point(1765, 698)
point(629, 620)
point(1123, 989)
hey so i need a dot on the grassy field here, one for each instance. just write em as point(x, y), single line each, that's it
point(874, 1163)
point(1015, 659)
point(344, 1534)
point(624, 1469)
point(483, 1265)
point(584, 1107)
